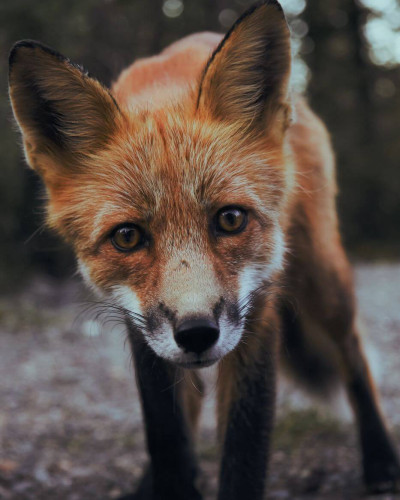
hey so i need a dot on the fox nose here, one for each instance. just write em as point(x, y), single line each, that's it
point(196, 335)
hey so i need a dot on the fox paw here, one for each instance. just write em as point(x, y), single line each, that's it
point(383, 478)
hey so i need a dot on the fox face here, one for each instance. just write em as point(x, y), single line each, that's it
point(175, 212)
point(195, 233)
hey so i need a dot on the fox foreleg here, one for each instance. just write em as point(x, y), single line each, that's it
point(246, 412)
point(173, 470)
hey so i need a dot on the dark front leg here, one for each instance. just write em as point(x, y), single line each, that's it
point(246, 413)
point(172, 472)
point(380, 460)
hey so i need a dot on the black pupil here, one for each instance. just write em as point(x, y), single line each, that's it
point(231, 217)
point(127, 234)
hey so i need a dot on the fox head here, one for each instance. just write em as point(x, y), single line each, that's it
point(175, 213)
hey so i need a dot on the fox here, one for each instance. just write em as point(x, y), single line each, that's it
point(199, 196)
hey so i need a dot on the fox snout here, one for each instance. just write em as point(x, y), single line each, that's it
point(192, 328)
point(196, 335)
point(195, 339)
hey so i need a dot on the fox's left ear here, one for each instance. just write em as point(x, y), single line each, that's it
point(246, 79)
point(64, 115)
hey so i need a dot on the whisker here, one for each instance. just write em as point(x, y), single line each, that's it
point(192, 382)
point(175, 383)
point(268, 289)
point(106, 313)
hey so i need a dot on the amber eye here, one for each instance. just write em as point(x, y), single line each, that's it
point(127, 238)
point(231, 220)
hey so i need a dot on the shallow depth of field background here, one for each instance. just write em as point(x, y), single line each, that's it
point(70, 423)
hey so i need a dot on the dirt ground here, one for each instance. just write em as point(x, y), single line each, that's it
point(70, 422)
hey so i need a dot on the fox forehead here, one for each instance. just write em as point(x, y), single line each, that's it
point(165, 169)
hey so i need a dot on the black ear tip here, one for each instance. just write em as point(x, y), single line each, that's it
point(271, 3)
point(274, 3)
point(31, 44)
point(256, 7)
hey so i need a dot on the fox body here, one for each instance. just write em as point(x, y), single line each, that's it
point(200, 201)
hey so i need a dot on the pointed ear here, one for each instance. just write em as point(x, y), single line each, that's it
point(64, 115)
point(246, 79)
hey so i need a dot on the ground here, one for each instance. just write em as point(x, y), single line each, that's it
point(70, 422)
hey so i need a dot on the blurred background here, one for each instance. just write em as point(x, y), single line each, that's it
point(70, 420)
point(347, 62)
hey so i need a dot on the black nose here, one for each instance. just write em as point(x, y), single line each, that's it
point(196, 335)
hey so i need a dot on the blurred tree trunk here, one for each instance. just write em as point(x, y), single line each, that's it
point(340, 91)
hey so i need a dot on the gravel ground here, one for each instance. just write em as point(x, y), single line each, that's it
point(70, 422)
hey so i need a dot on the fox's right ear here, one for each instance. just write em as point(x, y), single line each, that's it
point(247, 77)
point(64, 115)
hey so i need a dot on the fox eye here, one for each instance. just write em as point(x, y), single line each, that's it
point(126, 238)
point(231, 220)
